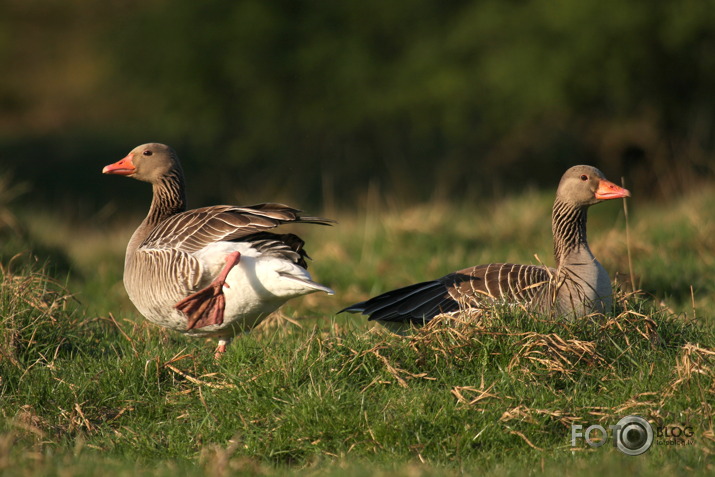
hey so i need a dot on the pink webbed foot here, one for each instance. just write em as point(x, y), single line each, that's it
point(206, 306)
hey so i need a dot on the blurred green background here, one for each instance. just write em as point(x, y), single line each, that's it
point(318, 102)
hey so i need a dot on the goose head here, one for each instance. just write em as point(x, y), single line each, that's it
point(583, 186)
point(148, 162)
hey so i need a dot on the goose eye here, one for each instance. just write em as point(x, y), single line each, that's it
point(584, 177)
point(149, 153)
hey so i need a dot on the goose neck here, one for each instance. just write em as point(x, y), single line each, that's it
point(169, 198)
point(569, 230)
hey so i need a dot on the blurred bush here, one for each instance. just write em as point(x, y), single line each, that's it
point(314, 101)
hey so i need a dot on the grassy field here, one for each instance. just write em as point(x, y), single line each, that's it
point(88, 387)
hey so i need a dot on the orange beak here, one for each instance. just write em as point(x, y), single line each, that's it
point(124, 167)
point(609, 190)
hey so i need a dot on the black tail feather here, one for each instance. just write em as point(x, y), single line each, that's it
point(416, 304)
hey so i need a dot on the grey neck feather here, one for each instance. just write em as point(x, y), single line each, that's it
point(569, 230)
point(169, 198)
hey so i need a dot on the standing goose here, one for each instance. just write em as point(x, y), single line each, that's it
point(214, 271)
point(579, 285)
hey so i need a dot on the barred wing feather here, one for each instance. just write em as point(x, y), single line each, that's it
point(193, 230)
point(473, 286)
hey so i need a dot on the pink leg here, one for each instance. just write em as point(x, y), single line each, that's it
point(206, 306)
point(221, 348)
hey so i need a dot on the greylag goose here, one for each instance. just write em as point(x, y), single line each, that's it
point(579, 285)
point(214, 271)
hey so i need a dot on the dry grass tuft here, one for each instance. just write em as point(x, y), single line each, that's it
point(694, 361)
point(629, 322)
point(29, 303)
point(277, 322)
point(470, 395)
point(522, 413)
point(400, 375)
point(206, 379)
point(553, 354)
point(444, 335)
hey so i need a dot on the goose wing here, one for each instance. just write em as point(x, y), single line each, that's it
point(421, 302)
point(195, 229)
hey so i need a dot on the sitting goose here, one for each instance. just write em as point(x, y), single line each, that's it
point(213, 271)
point(579, 285)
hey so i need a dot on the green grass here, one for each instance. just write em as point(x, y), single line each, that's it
point(88, 387)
